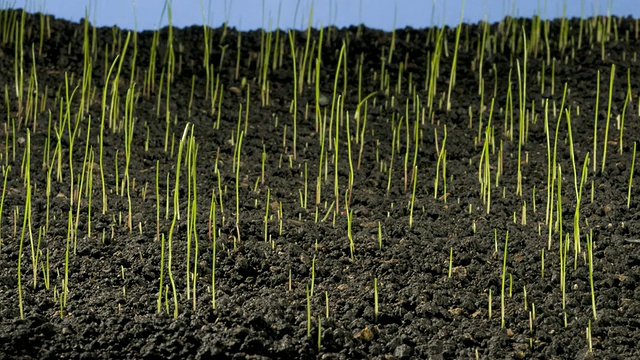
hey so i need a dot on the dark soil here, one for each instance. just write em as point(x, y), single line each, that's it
point(114, 272)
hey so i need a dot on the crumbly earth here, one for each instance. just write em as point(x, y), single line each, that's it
point(439, 278)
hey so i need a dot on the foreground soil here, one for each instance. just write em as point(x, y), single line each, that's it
point(439, 279)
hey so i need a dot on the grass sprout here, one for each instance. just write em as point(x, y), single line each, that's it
point(5, 173)
point(606, 129)
point(590, 256)
point(452, 77)
point(633, 165)
point(504, 275)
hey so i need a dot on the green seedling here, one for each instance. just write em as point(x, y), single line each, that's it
point(595, 121)
point(313, 275)
point(489, 305)
point(266, 215)
point(5, 172)
point(295, 92)
point(576, 217)
point(450, 262)
point(593, 291)
point(237, 173)
point(19, 64)
point(351, 169)
point(504, 275)
point(306, 52)
point(364, 125)
point(440, 160)
point(319, 333)
point(26, 222)
point(589, 340)
point(238, 53)
point(65, 284)
point(522, 97)
point(452, 77)
point(606, 129)
point(393, 34)
point(375, 300)
point(571, 152)
point(413, 195)
point(633, 165)
point(624, 109)
point(104, 103)
point(308, 311)
point(352, 247)
point(214, 241)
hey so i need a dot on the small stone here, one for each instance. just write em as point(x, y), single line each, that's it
point(365, 334)
point(323, 100)
point(455, 311)
point(403, 352)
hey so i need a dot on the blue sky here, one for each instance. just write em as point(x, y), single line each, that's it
point(249, 14)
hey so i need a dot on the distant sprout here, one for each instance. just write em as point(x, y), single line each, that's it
point(413, 195)
point(295, 90)
point(313, 275)
point(595, 121)
point(5, 172)
point(504, 274)
point(452, 77)
point(450, 262)
point(326, 303)
point(542, 264)
point(375, 299)
point(319, 332)
point(489, 304)
point(308, 310)
point(627, 99)
point(633, 165)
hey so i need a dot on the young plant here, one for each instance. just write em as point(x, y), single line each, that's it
point(295, 91)
point(375, 300)
point(313, 274)
point(593, 291)
point(5, 172)
point(350, 234)
point(239, 152)
point(266, 215)
point(306, 52)
point(450, 262)
point(452, 77)
point(504, 276)
point(26, 222)
point(214, 232)
point(606, 129)
point(308, 311)
point(440, 158)
point(161, 277)
point(633, 165)
point(104, 105)
point(413, 195)
point(624, 108)
point(522, 97)
point(595, 121)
